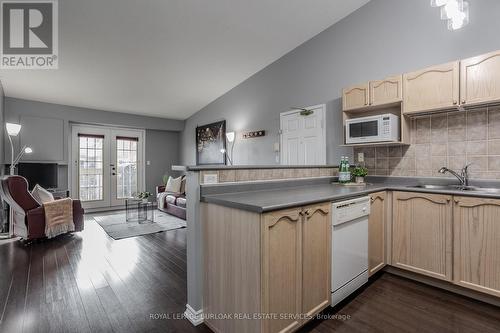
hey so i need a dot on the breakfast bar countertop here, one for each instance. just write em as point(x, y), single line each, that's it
point(260, 201)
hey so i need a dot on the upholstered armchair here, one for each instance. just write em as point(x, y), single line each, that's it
point(28, 215)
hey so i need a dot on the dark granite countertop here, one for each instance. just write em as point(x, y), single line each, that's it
point(261, 201)
point(244, 167)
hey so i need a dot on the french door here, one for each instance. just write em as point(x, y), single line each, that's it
point(108, 165)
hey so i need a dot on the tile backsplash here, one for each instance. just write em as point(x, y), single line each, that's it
point(449, 139)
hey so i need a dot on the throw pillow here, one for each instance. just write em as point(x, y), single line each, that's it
point(173, 184)
point(41, 195)
point(183, 185)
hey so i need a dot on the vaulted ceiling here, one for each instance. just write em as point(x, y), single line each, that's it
point(168, 58)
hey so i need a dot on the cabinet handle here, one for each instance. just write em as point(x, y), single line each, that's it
point(464, 101)
point(372, 200)
point(455, 102)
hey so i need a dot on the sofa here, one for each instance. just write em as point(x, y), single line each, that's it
point(28, 215)
point(173, 203)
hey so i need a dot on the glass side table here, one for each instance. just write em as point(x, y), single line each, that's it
point(139, 211)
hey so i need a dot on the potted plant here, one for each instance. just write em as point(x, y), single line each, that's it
point(359, 173)
point(144, 196)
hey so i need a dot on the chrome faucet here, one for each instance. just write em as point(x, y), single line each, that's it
point(463, 177)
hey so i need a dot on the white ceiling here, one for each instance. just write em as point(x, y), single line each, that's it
point(168, 58)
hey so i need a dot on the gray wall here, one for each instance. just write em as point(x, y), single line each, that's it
point(382, 38)
point(162, 151)
point(162, 135)
point(2, 127)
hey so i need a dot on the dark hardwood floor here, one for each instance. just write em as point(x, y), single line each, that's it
point(88, 282)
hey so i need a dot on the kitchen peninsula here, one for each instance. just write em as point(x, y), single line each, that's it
point(266, 244)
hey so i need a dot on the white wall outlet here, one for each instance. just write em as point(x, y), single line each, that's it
point(361, 157)
point(148, 162)
point(276, 147)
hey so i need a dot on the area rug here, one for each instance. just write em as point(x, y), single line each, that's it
point(117, 227)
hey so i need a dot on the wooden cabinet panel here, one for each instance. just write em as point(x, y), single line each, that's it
point(316, 247)
point(422, 233)
point(355, 97)
point(477, 244)
point(281, 268)
point(376, 232)
point(386, 91)
point(480, 79)
point(431, 89)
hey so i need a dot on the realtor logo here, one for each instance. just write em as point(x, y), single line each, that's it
point(29, 34)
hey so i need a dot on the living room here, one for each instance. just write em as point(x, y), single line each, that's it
point(249, 166)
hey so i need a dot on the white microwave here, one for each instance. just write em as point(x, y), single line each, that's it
point(380, 128)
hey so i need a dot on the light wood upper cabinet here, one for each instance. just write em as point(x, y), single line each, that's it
point(376, 232)
point(316, 249)
point(422, 233)
point(480, 79)
point(477, 244)
point(387, 91)
point(431, 89)
point(282, 268)
point(356, 97)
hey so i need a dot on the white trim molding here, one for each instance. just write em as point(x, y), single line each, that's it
point(195, 317)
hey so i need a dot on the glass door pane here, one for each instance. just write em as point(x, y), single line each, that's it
point(126, 167)
point(91, 171)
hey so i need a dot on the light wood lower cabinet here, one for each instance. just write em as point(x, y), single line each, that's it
point(477, 244)
point(377, 232)
point(422, 233)
point(316, 249)
point(282, 268)
point(296, 265)
point(274, 265)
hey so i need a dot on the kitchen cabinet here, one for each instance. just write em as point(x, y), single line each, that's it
point(316, 249)
point(431, 89)
point(422, 233)
point(275, 263)
point(356, 97)
point(282, 268)
point(387, 91)
point(296, 264)
point(376, 232)
point(480, 79)
point(477, 244)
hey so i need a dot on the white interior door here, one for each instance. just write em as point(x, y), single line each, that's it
point(303, 137)
point(108, 165)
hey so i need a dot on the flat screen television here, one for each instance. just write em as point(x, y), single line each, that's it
point(43, 174)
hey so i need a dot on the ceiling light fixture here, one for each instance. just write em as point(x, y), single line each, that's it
point(456, 12)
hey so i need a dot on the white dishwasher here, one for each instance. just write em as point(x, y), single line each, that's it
point(349, 246)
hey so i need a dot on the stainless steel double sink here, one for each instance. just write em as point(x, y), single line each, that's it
point(474, 189)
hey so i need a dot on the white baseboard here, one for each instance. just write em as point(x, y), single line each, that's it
point(195, 317)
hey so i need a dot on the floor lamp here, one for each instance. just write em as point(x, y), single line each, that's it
point(12, 131)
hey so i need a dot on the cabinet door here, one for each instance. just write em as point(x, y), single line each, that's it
point(355, 97)
point(431, 89)
point(477, 244)
point(281, 268)
point(316, 247)
point(422, 233)
point(376, 232)
point(480, 79)
point(386, 91)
